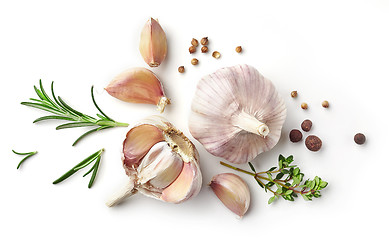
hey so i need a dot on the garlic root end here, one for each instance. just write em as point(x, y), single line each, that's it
point(163, 101)
point(127, 191)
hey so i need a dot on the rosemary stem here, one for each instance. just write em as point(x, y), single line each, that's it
point(237, 169)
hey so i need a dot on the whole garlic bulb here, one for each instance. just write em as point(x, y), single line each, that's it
point(237, 113)
point(160, 161)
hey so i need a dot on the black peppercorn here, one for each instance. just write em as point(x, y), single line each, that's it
point(359, 138)
point(313, 143)
point(295, 135)
point(306, 125)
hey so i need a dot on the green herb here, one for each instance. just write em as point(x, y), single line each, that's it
point(94, 157)
point(62, 111)
point(29, 154)
point(285, 181)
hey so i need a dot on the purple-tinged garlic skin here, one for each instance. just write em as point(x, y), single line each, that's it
point(138, 85)
point(153, 43)
point(160, 161)
point(232, 191)
point(237, 113)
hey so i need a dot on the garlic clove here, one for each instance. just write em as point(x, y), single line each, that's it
point(138, 142)
point(233, 191)
point(160, 167)
point(237, 113)
point(138, 85)
point(185, 186)
point(153, 43)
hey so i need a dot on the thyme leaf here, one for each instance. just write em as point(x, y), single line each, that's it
point(287, 181)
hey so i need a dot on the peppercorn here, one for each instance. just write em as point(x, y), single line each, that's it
point(306, 125)
point(304, 105)
point(325, 104)
point(293, 94)
point(204, 41)
point(359, 138)
point(295, 135)
point(204, 49)
point(192, 49)
point(181, 69)
point(238, 49)
point(313, 143)
point(194, 61)
point(216, 54)
point(194, 42)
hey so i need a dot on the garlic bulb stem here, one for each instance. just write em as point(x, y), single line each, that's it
point(250, 124)
point(127, 191)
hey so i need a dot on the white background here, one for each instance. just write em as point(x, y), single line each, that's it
point(326, 50)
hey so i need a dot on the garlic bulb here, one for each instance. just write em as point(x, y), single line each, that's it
point(237, 113)
point(233, 191)
point(138, 85)
point(160, 161)
point(153, 44)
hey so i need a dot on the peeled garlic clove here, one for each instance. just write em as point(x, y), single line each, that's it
point(153, 44)
point(233, 191)
point(164, 165)
point(138, 85)
point(237, 113)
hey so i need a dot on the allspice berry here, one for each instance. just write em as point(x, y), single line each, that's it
point(306, 125)
point(181, 69)
point(304, 105)
point(313, 143)
point(238, 49)
point(325, 104)
point(204, 41)
point(194, 42)
point(194, 61)
point(359, 138)
point(293, 94)
point(204, 49)
point(192, 49)
point(216, 54)
point(295, 135)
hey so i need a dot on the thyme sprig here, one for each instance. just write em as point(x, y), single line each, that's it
point(95, 157)
point(285, 181)
point(62, 111)
point(29, 154)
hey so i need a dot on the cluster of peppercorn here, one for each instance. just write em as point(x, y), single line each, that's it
point(312, 142)
point(204, 49)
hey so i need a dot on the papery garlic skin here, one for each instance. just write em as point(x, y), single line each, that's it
point(153, 43)
point(160, 161)
point(233, 191)
point(237, 113)
point(138, 85)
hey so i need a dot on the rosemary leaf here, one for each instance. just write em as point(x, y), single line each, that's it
point(74, 124)
point(63, 111)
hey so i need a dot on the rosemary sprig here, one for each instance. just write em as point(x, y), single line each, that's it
point(287, 181)
point(62, 111)
point(29, 154)
point(94, 157)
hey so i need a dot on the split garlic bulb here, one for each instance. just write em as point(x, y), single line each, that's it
point(237, 113)
point(160, 161)
point(138, 85)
